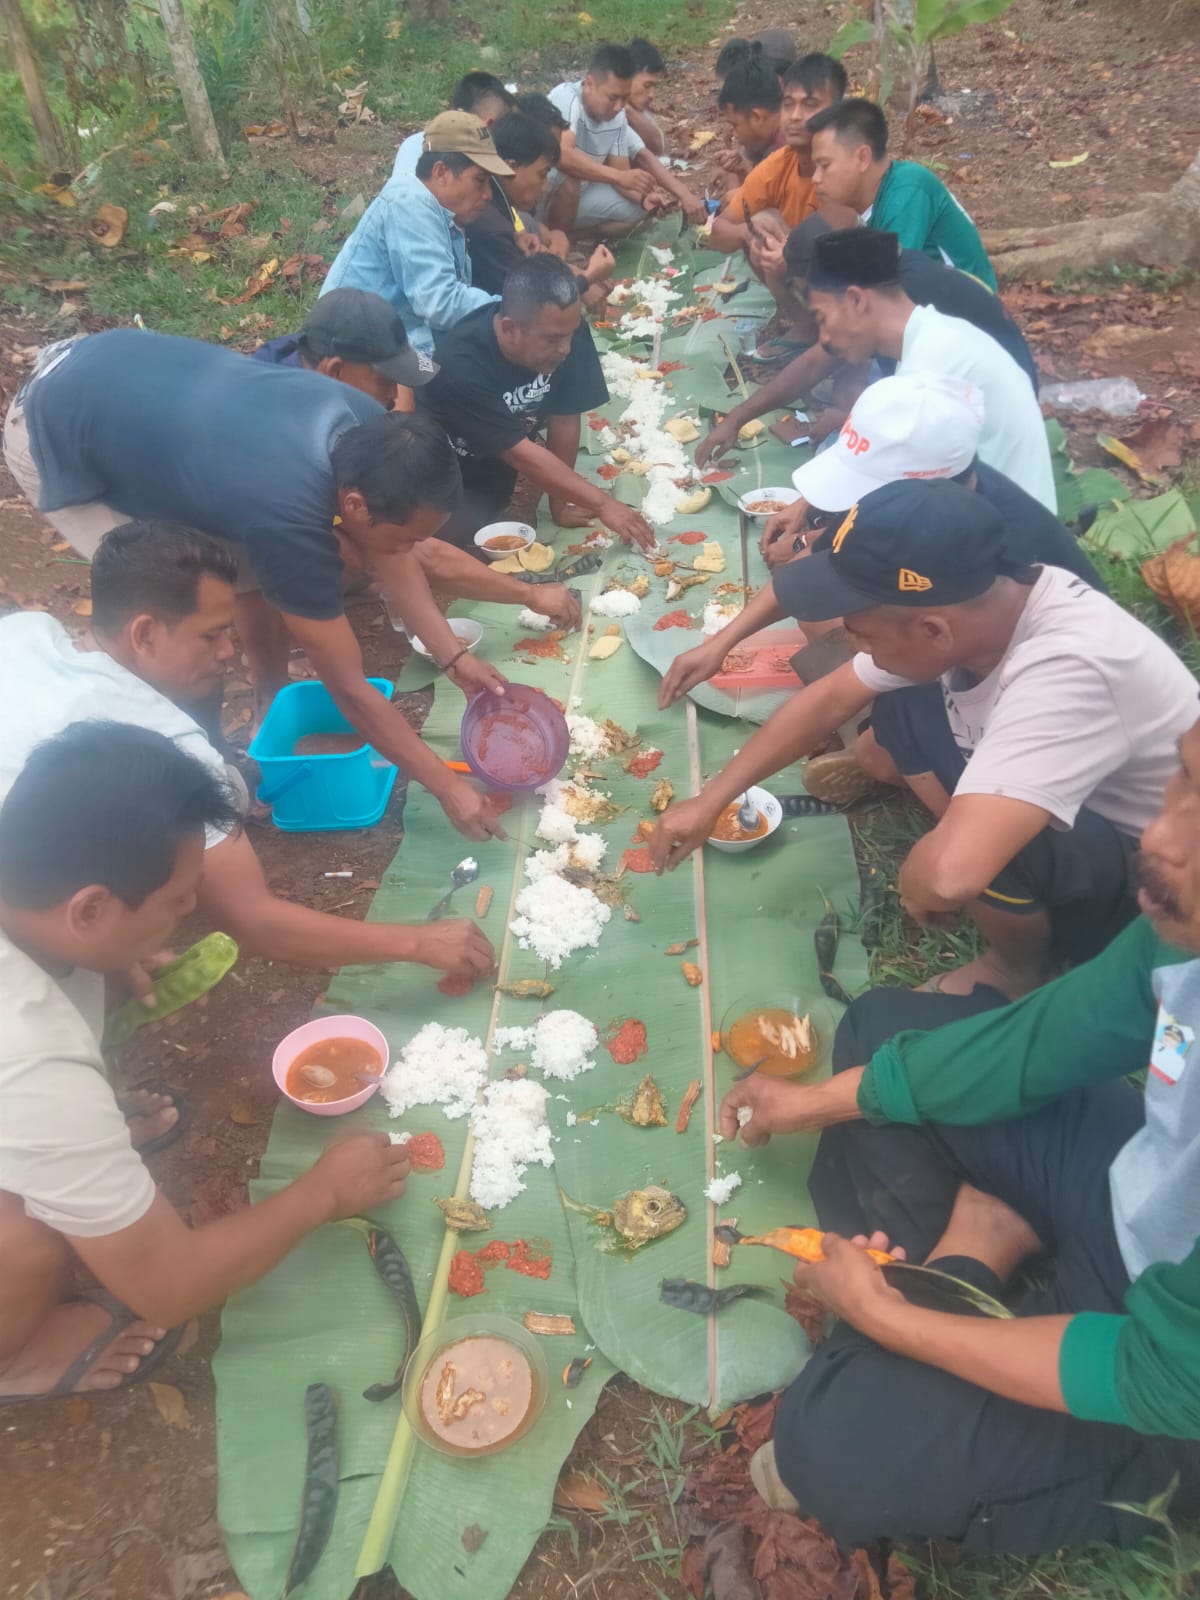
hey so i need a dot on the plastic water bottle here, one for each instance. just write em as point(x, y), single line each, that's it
point(1116, 397)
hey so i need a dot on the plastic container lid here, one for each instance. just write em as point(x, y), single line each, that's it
point(518, 740)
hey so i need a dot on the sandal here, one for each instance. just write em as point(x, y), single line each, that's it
point(120, 1316)
point(176, 1131)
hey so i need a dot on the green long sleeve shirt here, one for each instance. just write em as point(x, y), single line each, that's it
point(1101, 1021)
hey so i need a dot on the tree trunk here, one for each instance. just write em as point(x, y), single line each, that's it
point(49, 136)
point(1165, 234)
point(196, 105)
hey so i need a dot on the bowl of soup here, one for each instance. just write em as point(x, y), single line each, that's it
point(728, 832)
point(782, 1034)
point(466, 630)
point(320, 1067)
point(502, 539)
point(475, 1385)
point(766, 502)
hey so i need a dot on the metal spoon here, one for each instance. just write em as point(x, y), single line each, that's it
point(464, 873)
point(748, 813)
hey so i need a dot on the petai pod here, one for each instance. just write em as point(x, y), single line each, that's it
point(318, 1501)
point(825, 942)
point(393, 1268)
point(687, 1295)
point(196, 972)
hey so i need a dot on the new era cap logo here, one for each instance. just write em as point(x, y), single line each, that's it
point(912, 582)
point(424, 364)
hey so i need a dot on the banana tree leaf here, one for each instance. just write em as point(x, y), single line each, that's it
point(1095, 486)
point(1141, 528)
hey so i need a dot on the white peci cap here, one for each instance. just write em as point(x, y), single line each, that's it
point(920, 425)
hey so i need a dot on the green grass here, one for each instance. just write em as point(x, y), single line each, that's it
point(1158, 1569)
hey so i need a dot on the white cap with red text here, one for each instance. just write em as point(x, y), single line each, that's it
point(921, 425)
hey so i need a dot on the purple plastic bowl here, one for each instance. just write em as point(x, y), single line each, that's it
point(517, 740)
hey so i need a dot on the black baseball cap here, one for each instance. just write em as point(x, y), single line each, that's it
point(905, 544)
point(358, 325)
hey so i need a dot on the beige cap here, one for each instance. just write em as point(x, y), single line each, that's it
point(458, 133)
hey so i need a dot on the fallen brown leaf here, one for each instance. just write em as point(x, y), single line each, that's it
point(66, 285)
point(169, 1403)
point(1158, 444)
point(108, 226)
point(242, 1111)
point(76, 1410)
point(473, 1537)
point(188, 1337)
point(82, 608)
point(578, 1492)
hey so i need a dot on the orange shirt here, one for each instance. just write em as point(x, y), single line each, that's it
point(774, 184)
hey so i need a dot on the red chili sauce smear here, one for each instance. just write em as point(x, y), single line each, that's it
point(695, 537)
point(637, 861)
point(511, 749)
point(425, 1153)
point(467, 1269)
point(642, 766)
point(673, 619)
point(629, 1042)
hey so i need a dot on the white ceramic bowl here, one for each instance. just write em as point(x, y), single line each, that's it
point(496, 530)
point(465, 629)
point(768, 807)
point(788, 497)
point(310, 1033)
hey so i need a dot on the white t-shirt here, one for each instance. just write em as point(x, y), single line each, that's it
point(65, 1149)
point(1014, 432)
point(1084, 709)
point(600, 140)
point(61, 684)
point(409, 153)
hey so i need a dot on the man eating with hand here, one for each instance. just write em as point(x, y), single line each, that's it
point(985, 1143)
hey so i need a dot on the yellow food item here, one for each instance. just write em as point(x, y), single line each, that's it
point(683, 429)
point(538, 558)
point(620, 457)
point(640, 586)
point(604, 647)
point(711, 559)
point(694, 500)
point(509, 564)
point(751, 430)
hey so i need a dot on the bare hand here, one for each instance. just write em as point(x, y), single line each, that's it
point(659, 201)
point(359, 1173)
point(627, 524)
point(600, 265)
point(694, 666)
point(140, 976)
point(471, 675)
point(721, 437)
point(849, 1283)
point(732, 161)
point(780, 531)
point(693, 208)
point(633, 182)
point(472, 812)
point(770, 259)
point(528, 242)
point(556, 601)
point(681, 829)
point(568, 515)
point(459, 948)
point(778, 1107)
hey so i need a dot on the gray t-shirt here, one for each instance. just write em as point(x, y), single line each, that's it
point(159, 427)
point(1086, 708)
point(600, 140)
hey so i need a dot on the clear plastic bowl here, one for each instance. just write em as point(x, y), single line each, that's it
point(433, 1348)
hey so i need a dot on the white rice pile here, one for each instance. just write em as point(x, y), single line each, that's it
point(561, 1043)
point(511, 1133)
point(663, 254)
point(534, 619)
point(720, 1189)
point(438, 1067)
point(623, 375)
point(616, 603)
point(588, 738)
point(556, 825)
point(656, 297)
point(587, 851)
point(718, 616)
point(555, 918)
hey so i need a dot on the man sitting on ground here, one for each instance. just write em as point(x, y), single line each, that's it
point(109, 428)
point(779, 193)
point(500, 238)
point(1031, 715)
point(358, 338)
point(750, 100)
point(608, 180)
point(101, 854)
point(976, 1148)
point(409, 246)
point(503, 375)
point(162, 620)
point(924, 282)
point(480, 93)
point(853, 168)
point(649, 69)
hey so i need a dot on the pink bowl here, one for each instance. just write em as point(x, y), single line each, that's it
point(311, 1033)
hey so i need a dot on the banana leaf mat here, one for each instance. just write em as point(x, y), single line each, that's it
point(324, 1314)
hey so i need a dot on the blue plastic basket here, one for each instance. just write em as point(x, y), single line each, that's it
point(315, 794)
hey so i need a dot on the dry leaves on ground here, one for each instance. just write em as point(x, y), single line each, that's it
point(169, 1403)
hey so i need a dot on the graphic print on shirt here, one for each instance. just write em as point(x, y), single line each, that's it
point(528, 396)
point(1169, 1050)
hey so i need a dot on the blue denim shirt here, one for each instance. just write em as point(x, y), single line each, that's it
point(408, 248)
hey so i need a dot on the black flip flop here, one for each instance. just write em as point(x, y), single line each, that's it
point(120, 1318)
point(181, 1124)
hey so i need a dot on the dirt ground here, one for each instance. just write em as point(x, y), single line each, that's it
point(104, 1498)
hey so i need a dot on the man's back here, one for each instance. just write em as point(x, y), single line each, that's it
point(1014, 432)
point(407, 156)
point(914, 203)
point(959, 294)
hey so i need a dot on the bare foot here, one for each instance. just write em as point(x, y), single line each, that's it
point(149, 1115)
point(63, 1337)
point(1012, 982)
point(987, 1230)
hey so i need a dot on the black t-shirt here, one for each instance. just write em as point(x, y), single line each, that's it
point(956, 294)
point(492, 244)
point(1033, 535)
point(159, 427)
point(488, 404)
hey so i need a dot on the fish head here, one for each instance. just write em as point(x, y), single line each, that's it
point(645, 1214)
